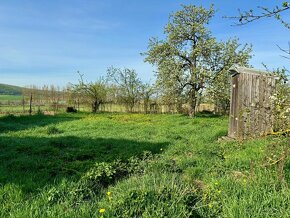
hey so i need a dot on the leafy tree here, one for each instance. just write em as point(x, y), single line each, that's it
point(171, 88)
point(180, 56)
point(227, 54)
point(189, 57)
point(147, 91)
point(129, 85)
point(94, 92)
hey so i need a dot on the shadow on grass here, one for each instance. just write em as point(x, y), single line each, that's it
point(208, 114)
point(34, 162)
point(17, 123)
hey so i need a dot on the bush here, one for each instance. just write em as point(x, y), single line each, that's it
point(71, 110)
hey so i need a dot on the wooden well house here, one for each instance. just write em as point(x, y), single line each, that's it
point(251, 107)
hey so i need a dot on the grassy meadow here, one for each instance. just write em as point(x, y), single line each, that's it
point(134, 165)
point(10, 97)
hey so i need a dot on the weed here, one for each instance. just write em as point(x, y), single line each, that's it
point(52, 130)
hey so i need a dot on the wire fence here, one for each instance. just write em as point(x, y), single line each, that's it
point(22, 107)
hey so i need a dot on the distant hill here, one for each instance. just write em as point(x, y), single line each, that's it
point(10, 90)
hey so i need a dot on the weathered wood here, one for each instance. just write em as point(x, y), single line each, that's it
point(251, 109)
point(234, 106)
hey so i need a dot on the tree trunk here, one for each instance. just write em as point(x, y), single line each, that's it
point(192, 103)
point(146, 104)
point(95, 106)
point(131, 106)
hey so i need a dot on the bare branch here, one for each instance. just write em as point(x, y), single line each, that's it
point(287, 51)
point(249, 16)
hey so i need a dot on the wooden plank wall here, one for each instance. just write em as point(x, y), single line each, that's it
point(251, 110)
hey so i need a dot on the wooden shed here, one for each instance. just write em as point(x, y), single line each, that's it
point(251, 108)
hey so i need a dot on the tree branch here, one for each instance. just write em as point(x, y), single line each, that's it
point(285, 51)
point(249, 16)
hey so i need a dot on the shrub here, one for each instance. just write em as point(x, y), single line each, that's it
point(71, 110)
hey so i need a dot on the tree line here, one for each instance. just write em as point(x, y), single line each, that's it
point(192, 66)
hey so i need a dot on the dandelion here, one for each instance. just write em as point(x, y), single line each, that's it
point(102, 210)
point(109, 195)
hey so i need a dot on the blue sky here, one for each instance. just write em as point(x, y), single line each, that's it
point(47, 42)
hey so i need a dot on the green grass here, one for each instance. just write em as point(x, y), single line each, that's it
point(63, 166)
point(10, 97)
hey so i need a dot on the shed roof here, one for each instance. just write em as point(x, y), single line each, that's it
point(236, 69)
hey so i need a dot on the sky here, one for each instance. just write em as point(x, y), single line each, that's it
point(47, 42)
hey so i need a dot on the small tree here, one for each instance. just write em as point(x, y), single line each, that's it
point(147, 91)
point(129, 86)
point(94, 92)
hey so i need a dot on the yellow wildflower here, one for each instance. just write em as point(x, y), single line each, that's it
point(102, 210)
point(109, 195)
